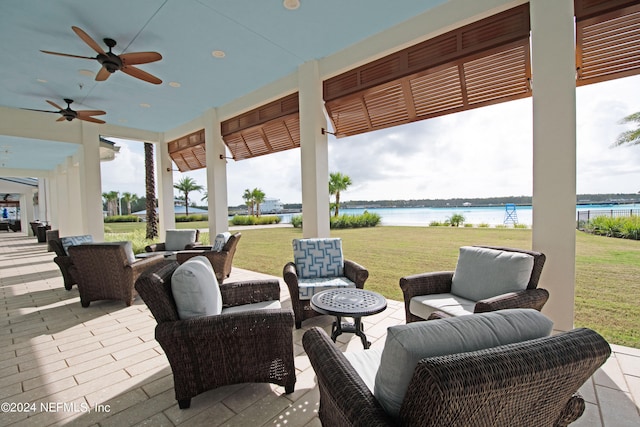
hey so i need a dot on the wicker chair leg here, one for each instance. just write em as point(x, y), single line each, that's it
point(84, 303)
point(184, 403)
point(298, 324)
point(288, 389)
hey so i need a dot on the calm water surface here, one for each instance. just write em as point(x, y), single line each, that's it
point(473, 215)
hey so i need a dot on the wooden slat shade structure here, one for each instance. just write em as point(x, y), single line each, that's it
point(188, 152)
point(267, 129)
point(607, 39)
point(480, 64)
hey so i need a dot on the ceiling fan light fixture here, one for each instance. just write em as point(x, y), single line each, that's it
point(145, 105)
point(174, 84)
point(42, 81)
point(291, 4)
point(87, 73)
point(218, 54)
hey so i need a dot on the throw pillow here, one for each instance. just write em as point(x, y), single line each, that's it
point(407, 344)
point(221, 240)
point(195, 289)
point(74, 240)
point(318, 257)
point(484, 273)
point(177, 239)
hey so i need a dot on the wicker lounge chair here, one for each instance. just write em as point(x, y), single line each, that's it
point(176, 240)
point(439, 285)
point(107, 271)
point(212, 351)
point(530, 383)
point(293, 277)
point(221, 261)
point(63, 260)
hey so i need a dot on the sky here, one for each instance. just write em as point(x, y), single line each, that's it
point(485, 152)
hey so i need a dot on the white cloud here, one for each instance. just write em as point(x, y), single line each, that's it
point(478, 153)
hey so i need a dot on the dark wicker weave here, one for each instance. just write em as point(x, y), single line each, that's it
point(221, 261)
point(440, 283)
point(533, 383)
point(302, 308)
point(160, 247)
point(103, 271)
point(63, 261)
point(209, 352)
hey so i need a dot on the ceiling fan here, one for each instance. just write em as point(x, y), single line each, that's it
point(68, 114)
point(111, 62)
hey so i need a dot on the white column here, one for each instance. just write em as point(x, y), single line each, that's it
point(314, 153)
point(75, 217)
point(164, 175)
point(216, 175)
point(48, 200)
point(62, 199)
point(554, 153)
point(91, 182)
point(26, 211)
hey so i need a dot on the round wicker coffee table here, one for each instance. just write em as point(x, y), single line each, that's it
point(348, 302)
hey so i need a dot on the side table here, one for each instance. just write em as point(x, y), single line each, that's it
point(348, 302)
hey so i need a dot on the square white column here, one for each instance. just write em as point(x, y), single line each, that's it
point(216, 175)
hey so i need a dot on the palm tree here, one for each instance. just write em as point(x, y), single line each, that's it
point(337, 183)
point(186, 186)
point(630, 137)
point(129, 198)
point(111, 199)
point(150, 192)
point(258, 197)
point(248, 200)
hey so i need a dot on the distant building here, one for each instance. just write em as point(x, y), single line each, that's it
point(271, 206)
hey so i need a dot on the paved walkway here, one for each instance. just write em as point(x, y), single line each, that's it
point(61, 364)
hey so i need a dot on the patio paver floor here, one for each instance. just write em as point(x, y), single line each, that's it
point(61, 364)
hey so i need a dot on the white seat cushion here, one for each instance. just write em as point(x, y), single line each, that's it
point(483, 273)
point(424, 305)
point(407, 344)
point(195, 289)
point(309, 287)
point(262, 305)
point(366, 364)
point(177, 239)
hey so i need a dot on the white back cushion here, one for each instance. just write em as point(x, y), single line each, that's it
point(177, 239)
point(484, 273)
point(318, 257)
point(408, 344)
point(195, 289)
point(221, 240)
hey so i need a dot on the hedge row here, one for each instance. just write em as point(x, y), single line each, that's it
point(366, 219)
point(623, 227)
point(255, 220)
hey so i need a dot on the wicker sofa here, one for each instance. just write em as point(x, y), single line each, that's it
point(438, 285)
point(207, 352)
point(524, 383)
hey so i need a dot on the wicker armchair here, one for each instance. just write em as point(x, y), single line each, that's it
point(440, 283)
point(221, 261)
point(162, 247)
point(106, 271)
point(64, 263)
point(301, 307)
point(208, 352)
point(531, 383)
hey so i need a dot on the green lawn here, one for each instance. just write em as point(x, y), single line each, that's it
point(607, 269)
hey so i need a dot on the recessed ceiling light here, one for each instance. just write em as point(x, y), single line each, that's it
point(88, 73)
point(145, 105)
point(291, 4)
point(174, 84)
point(42, 80)
point(218, 54)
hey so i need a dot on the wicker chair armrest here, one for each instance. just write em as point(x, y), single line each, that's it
point(438, 282)
point(345, 399)
point(528, 298)
point(156, 247)
point(224, 330)
point(140, 266)
point(63, 261)
point(290, 275)
point(356, 273)
point(249, 292)
point(572, 411)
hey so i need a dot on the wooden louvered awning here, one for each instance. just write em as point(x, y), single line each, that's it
point(607, 39)
point(188, 152)
point(480, 64)
point(267, 129)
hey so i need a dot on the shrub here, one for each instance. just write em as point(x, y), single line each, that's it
point(296, 221)
point(483, 225)
point(520, 226)
point(436, 224)
point(122, 218)
point(192, 218)
point(255, 220)
point(624, 227)
point(468, 225)
point(366, 219)
point(456, 220)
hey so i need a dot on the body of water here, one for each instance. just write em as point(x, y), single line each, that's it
point(494, 215)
